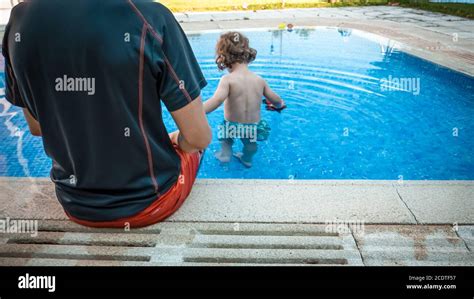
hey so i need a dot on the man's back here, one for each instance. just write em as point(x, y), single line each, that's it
point(92, 73)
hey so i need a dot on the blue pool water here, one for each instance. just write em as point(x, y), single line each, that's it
point(344, 121)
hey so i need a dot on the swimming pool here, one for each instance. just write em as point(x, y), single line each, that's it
point(359, 108)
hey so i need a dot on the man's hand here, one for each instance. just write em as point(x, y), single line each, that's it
point(174, 137)
point(194, 132)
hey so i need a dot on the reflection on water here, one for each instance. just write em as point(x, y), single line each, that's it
point(6, 116)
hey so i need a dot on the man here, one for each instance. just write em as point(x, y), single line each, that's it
point(89, 76)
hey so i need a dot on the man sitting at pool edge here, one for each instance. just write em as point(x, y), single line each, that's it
point(92, 90)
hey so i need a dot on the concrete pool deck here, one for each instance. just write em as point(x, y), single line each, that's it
point(248, 222)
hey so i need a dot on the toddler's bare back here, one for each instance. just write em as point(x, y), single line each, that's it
point(245, 97)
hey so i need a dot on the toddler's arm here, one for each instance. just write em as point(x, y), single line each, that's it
point(221, 94)
point(272, 97)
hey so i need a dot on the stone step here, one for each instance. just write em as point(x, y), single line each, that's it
point(416, 253)
point(241, 244)
point(88, 239)
point(267, 242)
point(57, 262)
point(427, 241)
point(40, 262)
point(172, 243)
point(270, 256)
point(75, 252)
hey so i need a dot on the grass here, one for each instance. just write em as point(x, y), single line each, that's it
point(221, 5)
point(457, 9)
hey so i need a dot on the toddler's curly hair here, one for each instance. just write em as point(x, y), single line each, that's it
point(233, 47)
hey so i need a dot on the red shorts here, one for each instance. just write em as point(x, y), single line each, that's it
point(165, 205)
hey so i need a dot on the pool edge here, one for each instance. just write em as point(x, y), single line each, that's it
point(282, 201)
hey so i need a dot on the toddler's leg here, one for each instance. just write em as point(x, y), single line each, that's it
point(225, 153)
point(249, 150)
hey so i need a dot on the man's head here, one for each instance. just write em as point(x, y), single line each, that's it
point(233, 47)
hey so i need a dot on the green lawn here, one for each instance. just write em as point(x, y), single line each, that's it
point(203, 5)
point(458, 9)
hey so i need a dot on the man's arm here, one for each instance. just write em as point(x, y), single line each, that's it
point(33, 124)
point(194, 132)
point(221, 94)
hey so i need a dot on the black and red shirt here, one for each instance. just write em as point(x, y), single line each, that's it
point(94, 74)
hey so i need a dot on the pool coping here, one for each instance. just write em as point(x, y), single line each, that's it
point(281, 201)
